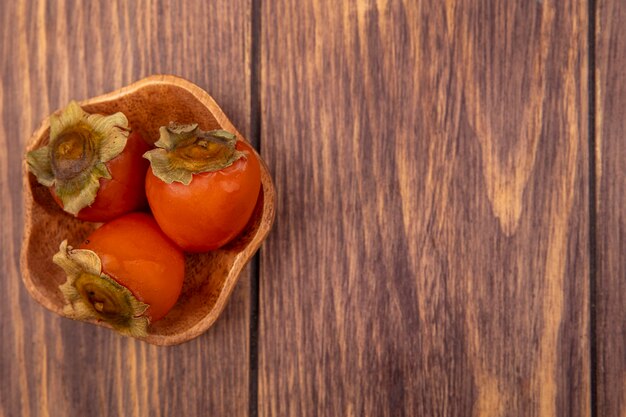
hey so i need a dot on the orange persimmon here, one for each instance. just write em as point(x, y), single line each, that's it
point(92, 164)
point(202, 186)
point(126, 273)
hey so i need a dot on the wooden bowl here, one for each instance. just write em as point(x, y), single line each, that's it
point(210, 277)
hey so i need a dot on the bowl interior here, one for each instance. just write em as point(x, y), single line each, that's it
point(210, 277)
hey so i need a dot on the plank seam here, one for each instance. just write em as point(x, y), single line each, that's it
point(591, 35)
point(255, 126)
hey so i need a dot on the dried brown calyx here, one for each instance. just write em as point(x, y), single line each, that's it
point(184, 150)
point(74, 160)
point(90, 294)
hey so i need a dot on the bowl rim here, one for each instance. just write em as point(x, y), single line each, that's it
point(267, 214)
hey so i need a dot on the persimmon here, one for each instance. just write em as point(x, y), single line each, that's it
point(92, 164)
point(126, 273)
point(202, 187)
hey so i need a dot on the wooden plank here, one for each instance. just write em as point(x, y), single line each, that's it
point(610, 296)
point(430, 254)
point(54, 51)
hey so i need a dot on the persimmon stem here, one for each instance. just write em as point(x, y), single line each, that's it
point(90, 294)
point(184, 150)
point(72, 153)
point(73, 161)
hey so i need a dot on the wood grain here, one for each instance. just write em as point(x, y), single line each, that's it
point(611, 209)
point(430, 255)
point(54, 51)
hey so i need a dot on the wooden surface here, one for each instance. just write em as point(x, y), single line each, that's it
point(430, 255)
point(610, 204)
point(448, 239)
point(62, 50)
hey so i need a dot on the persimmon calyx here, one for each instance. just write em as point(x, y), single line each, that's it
point(90, 294)
point(74, 159)
point(184, 150)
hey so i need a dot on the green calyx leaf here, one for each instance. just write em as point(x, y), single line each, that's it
point(184, 150)
point(90, 294)
point(74, 159)
point(39, 164)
